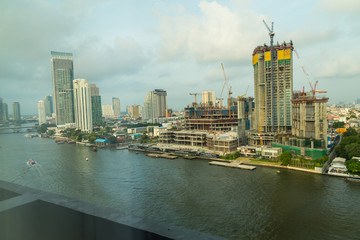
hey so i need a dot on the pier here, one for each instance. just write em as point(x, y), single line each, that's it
point(233, 165)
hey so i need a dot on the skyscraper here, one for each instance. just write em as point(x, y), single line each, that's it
point(134, 111)
point(16, 112)
point(5, 112)
point(154, 106)
point(116, 106)
point(208, 97)
point(82, 105)
point(273, 88)
point(41, 112)
point(48, 104)
point(95, 104)
point(63, 76)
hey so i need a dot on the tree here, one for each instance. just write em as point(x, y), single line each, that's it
point(285, 158)
point(350, 132)
point(353, 165)
point(352, 150)
point(338, 125)
point(112, 139)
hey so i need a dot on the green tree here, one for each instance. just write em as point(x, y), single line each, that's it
point(112, 139)
point(353, 165)
point(352, 150)
point(338, 125)
point(285, 158)
point(350, 132)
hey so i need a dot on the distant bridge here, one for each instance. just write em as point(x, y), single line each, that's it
point(17, 128)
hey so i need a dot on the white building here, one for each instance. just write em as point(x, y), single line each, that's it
point(107, 111)
point(82, 105)
point(41, 111)
point(154, 106)
point(208, 97)
point(116, 106)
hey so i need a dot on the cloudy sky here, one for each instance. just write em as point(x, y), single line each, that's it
point(129, 47)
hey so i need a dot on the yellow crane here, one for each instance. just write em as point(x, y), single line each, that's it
point(245, 92)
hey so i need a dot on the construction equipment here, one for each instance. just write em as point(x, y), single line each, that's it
point(195, 94)
point(313, 88)
point(229, 89)
point(245, 92)
point(271, 34)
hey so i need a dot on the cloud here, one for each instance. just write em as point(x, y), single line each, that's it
point(217, 34)
point(346, 6)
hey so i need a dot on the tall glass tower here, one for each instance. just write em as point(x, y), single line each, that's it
point(16, 112)
point(63, 76)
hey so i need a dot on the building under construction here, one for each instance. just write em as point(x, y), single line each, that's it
point(309, 127)
point(210, 126)
point(273, 87)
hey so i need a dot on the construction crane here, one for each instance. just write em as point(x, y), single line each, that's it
point(195, 94)
point(271, 34)
point(229, 89)
point(313, 88)
point(245, 92)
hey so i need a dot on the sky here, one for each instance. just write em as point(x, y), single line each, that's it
point(130, 47)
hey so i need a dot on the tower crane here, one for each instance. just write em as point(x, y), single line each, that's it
point(229, 89)
point(271, 34)
point(195, 94)
point(245, 92)
point(313, 88)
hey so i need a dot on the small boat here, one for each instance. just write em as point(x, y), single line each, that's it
point(278, 171)
point(350, 179)
point(94, 149)
point(71, 142)
point(87, 159)
point(31, 162)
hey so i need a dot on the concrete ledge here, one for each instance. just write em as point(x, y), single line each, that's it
point(34, 214)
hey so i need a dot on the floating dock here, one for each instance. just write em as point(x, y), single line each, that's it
point(161, 155)
point(233, 165)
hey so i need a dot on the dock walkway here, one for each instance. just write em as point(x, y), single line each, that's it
point(233, 165)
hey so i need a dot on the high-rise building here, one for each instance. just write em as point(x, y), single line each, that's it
point(63, 76)
point(41, 112)
point(107, 111)
point(5, 112)
point(208, 98)
point(95, 104)
point(134, 111)
point(154, 106)
point(116, 106)
point(82, 104)
point(273, 86)
point(16, 111)
point(48, 104)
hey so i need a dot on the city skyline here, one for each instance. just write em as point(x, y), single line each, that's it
point(176, 47)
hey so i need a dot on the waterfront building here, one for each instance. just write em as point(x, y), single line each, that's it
point(107, 111)
point(48, 104)
point(63, 76)
point(95, 104)
point(154, 106)
point(134, 111)
point(41, 112)
point(208, 98)
point(5, 112)
point(309, 127)
point(82, 100)
point(116, 106)
point(16, 111)
point(273, 87)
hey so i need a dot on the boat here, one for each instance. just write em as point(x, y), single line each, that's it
point(71, 142)
point(60, 142)
point(350, 179)
point(153, 155)
point(94, 149)
point(31, 162)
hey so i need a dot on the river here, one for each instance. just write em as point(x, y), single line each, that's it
point(227, 202)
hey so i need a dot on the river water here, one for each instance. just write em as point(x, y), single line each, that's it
point(227, 202)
